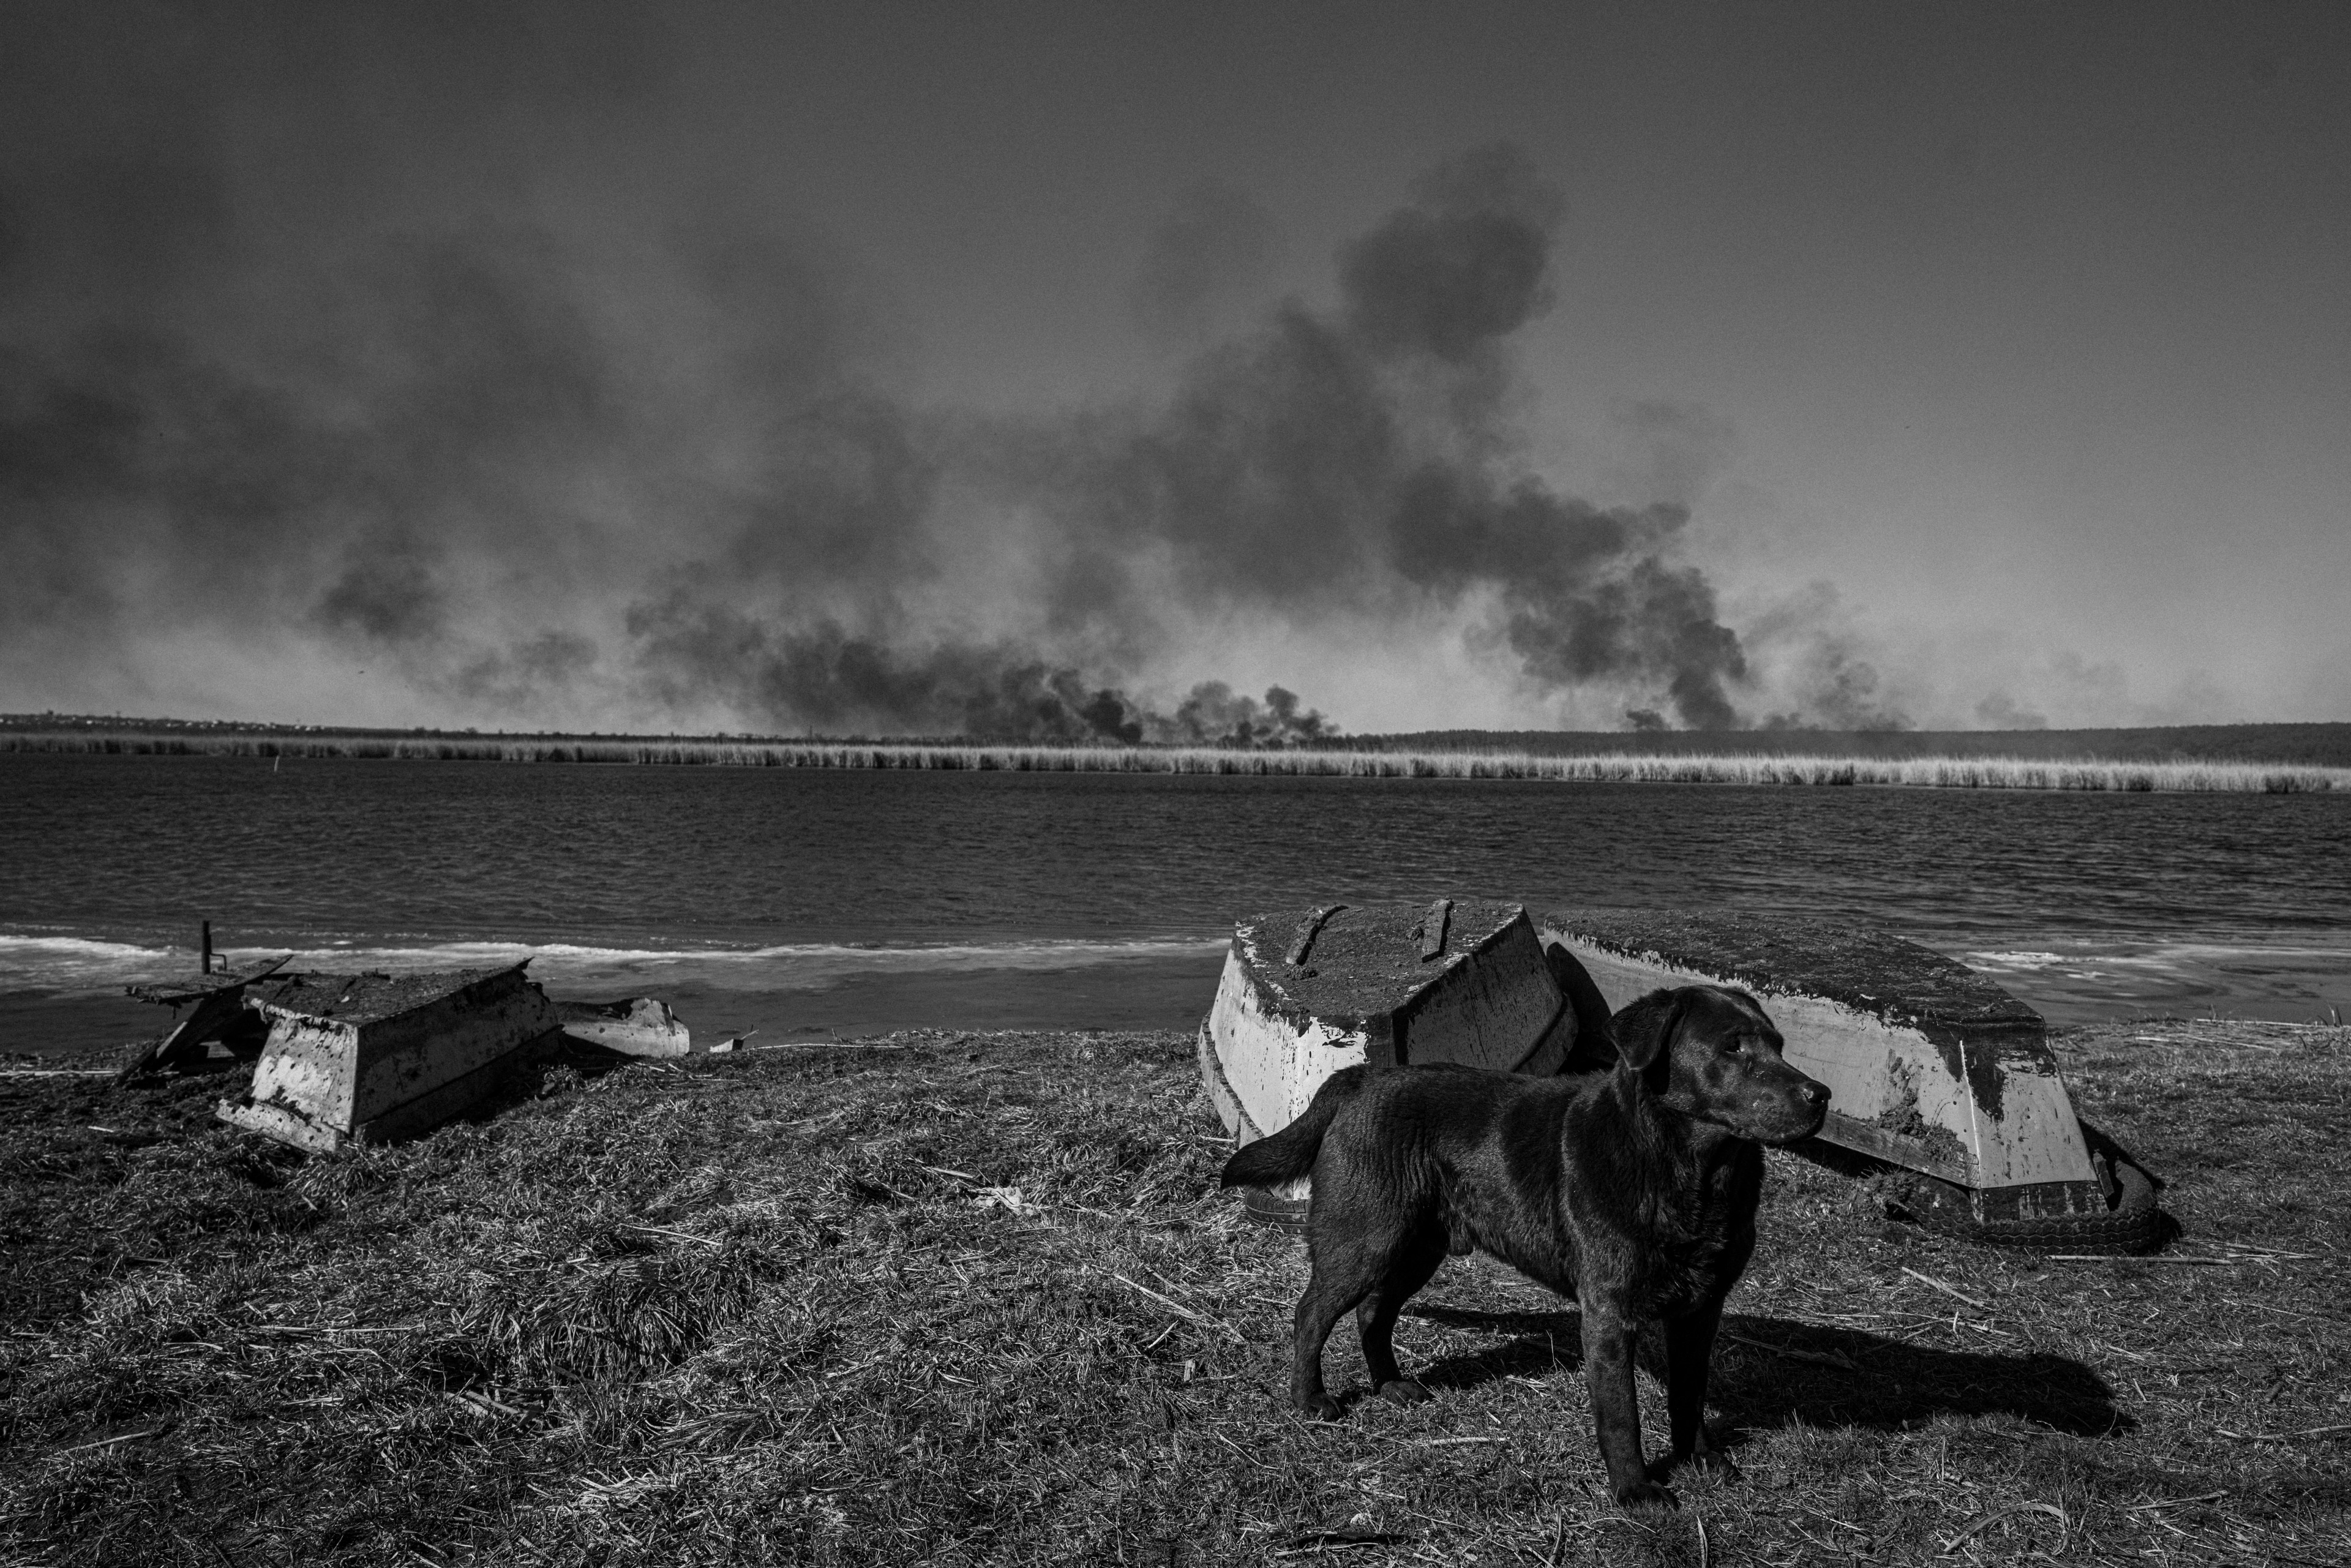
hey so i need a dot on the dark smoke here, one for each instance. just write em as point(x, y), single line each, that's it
point(1358, 463)
point(386, 595)
point(326, 387)
point(1215, 715)
point(1467, 263)
point(514, 679)
point(840, 684)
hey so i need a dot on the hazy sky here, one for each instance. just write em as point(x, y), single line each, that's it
point(1017, 368)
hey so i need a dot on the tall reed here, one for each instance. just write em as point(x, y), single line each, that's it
point(1618, 768)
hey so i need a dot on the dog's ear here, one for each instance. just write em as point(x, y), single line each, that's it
point(1643, 1032)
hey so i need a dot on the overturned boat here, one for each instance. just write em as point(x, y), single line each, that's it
point(1382, 985)
point(1946, 1094)
point(1943, 1086)
point(372, 1057)
point(633, 1026)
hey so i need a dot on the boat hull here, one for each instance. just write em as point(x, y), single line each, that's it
point(373, 1057)
point(1301, 998)
point(1929, 1066)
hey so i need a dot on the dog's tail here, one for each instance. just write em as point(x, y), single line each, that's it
point(1290, 1154)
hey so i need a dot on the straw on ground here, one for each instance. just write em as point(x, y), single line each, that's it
point(751, 1312)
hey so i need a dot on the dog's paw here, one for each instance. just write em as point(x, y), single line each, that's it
point(1647, 1495)
point(1403, 1391)
point(1321, 1408)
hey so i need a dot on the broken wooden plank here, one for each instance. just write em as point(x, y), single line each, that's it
point(1308, 929)
point(179, 991)
point(218, 1005)
point(1432, 929)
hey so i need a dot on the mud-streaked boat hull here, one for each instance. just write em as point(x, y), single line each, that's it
point(376, 1058)
point(1930, 1067)
point(1304, 996)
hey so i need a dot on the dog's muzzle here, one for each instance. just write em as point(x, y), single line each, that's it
point(1800, 1111)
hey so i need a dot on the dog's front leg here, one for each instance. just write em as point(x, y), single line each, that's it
point(1608, 1337)
point(1689, 1348)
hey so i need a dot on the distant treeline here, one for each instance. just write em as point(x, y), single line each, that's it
point(2302, 745)
point(1621, 765)
point(2307, 744)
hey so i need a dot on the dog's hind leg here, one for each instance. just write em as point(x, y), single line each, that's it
point(1352, 1244)
point(1328, 1295)
point(1415, 1260)
point(1689, 1347)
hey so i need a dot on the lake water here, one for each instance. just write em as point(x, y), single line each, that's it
point(805, 901)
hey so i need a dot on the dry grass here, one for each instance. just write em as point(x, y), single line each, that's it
point(973, 1299)
point(1619, 768)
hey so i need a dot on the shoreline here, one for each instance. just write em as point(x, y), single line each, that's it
point(1625, 767)
point(1169, 988)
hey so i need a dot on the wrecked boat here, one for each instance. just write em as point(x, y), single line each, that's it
point(633, 1026)
point(219, 1013)
point(1946, 1094)
point(1943, 1086)
point(373, 1056)
point(1383, 985)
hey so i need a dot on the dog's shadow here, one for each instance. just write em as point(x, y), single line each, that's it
point(1771, 1372)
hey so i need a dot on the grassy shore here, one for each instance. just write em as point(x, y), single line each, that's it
point(2318, 745)
point(973, 1299)
point(1629, 767)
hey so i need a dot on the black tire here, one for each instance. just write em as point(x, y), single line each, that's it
point(2134, 1224)
point(1270, 1209)
point(2134, 1220)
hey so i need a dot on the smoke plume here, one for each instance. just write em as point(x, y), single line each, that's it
point(309, 390)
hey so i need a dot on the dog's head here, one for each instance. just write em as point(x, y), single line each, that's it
point(1710, 1052)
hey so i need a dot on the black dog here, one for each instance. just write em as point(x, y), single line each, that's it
point(1632, 1189)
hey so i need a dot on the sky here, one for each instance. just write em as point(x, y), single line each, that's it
point(1081, 371)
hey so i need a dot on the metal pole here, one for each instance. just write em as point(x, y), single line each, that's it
point(208, 947)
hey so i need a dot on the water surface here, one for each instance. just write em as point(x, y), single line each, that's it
point(824, 899)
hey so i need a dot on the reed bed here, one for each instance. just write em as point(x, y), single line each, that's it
point(976, 1301)
point(1616, 767)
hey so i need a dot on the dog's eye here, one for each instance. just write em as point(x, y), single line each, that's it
point(1734, 1045)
